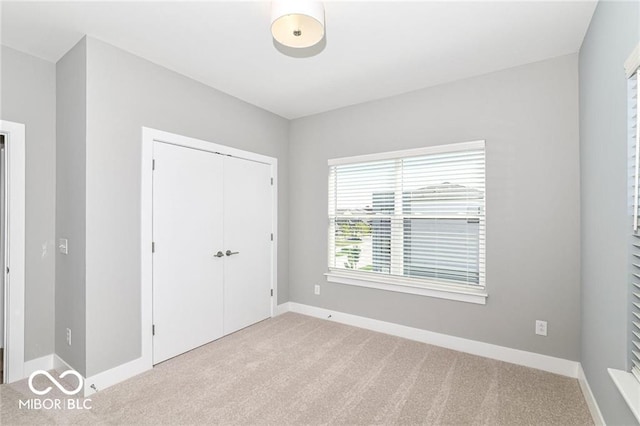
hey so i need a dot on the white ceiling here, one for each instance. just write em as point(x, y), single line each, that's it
point(372, 49)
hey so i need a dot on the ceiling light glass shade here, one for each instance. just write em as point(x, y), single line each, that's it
point(297, 23)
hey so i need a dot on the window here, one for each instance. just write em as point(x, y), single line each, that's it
point(411, 221)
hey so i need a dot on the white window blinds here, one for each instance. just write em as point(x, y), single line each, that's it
point(634, 204)
point(634, 149)
point(417, 214)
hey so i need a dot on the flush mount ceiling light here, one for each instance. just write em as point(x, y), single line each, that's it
point(297, 23)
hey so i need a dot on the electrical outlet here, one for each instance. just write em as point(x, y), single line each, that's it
point(69, 336)
point(541, 327)
point(316, 289)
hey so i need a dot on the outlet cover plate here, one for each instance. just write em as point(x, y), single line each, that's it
point(541, 328)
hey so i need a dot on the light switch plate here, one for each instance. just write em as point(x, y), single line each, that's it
point(63, 246)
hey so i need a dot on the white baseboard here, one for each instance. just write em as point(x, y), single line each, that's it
point(115, 375)
point(99, 381)
point(281, 309)
point(551, 364)
point(596, 415)
point(45, 363)
point(61, 364)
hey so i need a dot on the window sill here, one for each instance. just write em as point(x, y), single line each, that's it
point(441, 291)
point(629, 388)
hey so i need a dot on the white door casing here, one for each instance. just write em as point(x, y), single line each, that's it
point(15, 261)
point(3, 232)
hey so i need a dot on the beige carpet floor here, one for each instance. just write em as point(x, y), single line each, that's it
point(294, 369)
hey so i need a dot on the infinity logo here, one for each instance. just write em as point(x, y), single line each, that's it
point(55, 382)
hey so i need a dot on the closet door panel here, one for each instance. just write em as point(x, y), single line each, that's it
point(248, 216)
point(187, 232)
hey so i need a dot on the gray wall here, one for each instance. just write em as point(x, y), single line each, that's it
point(529, 119)
point(27, 91)
point(124, 93)
point(612, 35)
point(70, 297)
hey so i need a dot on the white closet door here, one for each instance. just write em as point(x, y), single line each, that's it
point(247, 233)
point(187, 232)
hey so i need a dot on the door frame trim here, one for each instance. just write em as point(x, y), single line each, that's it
point(149, 136)
point(14, 301)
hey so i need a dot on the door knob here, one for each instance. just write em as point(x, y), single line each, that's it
point(229, 252)
point(218, 254)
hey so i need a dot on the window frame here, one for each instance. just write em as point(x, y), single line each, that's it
point(425, 287)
